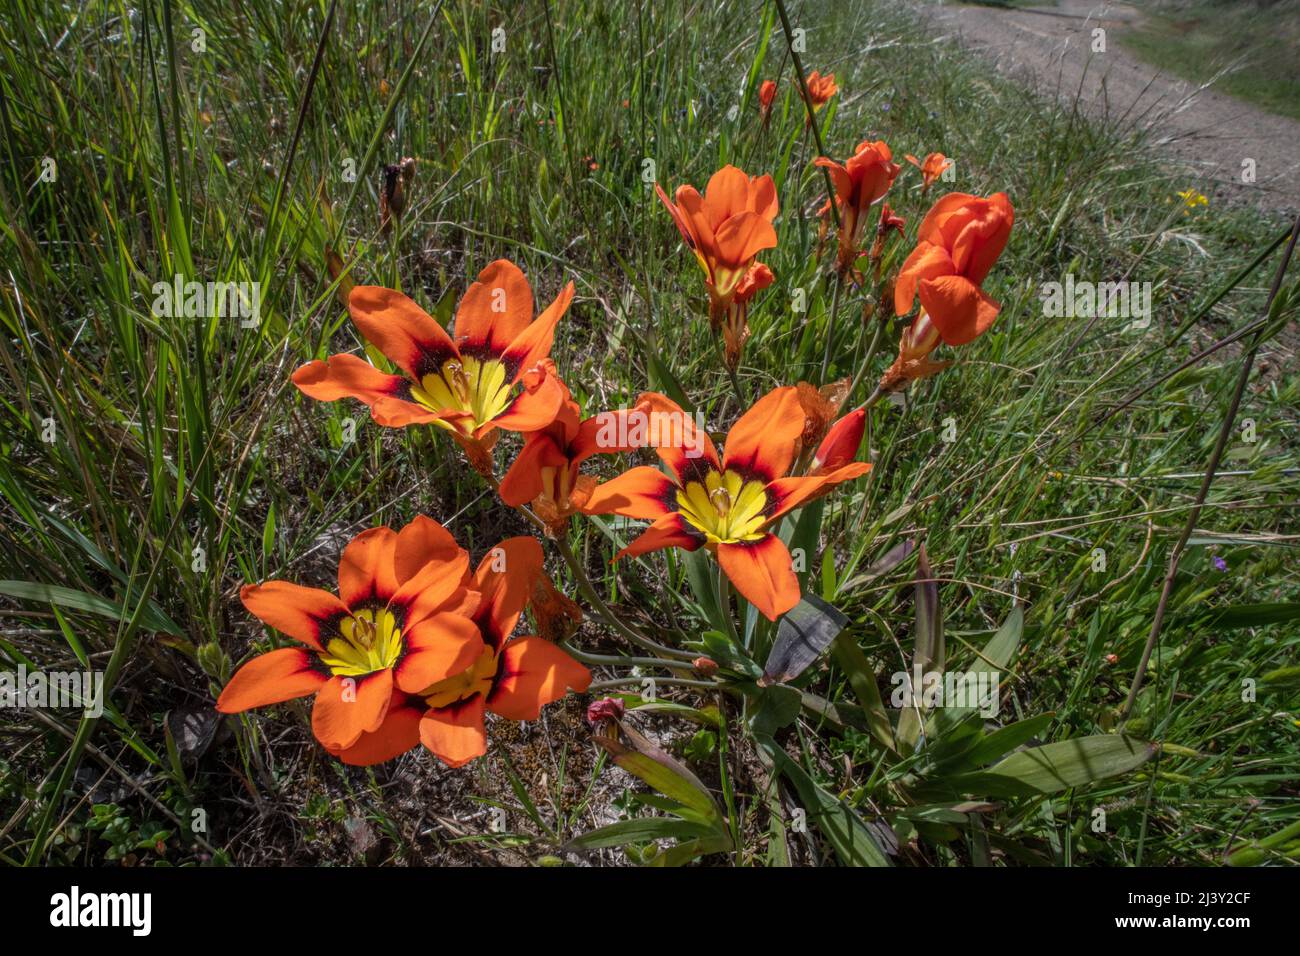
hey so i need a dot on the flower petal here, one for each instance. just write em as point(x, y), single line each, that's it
point(762, 572)
point(305, 614)
point(455, 734)
point(786, 494)
point(347, 376)
point(399, 733)
point(406, 334)
point(640, 492)
point(422, 541)
point(534, 343)
point(926, 261)
point(494, 310)
point(271, 678)
point(523, 482)
point(764, 441)
point(506, 577)
point(534, 672)
point(532, 409)
point(436, 648)
point(670, 531)
point(366, 572)
point(347, 707)
point(744, 236)
point(959, 309)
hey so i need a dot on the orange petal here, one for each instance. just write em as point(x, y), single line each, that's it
point(494, 309)
point(347, 707)
point(683, 226)
point(726, 195)
point(305, 614)
point(744, 236)
point(786, 494)
point(422, 541)
point(958, 308)
point(931, 228)
point(435, 649)
point(533, 673)
point(762, 197)
point(534, 343)
point(523, 482)
point(681, 445)
point(926, 261)
point(764, 441)
point(640, 492)
point(762, 572)
point(406, 334)
point(670, 531)
point(506, 578)
point(690, 205)
point(271, 678)
point(366, 572)
point(347, 376)
point(842, 441)
point(455, 734)
point(534, 408)
point(397, 413)
point(399, 732)
point(840, 178)
point(436, 587)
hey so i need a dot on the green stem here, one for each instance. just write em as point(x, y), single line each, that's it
point(602, 609)
point(675, 681)
point(830, 324)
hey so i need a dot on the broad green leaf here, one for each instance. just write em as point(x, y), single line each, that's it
point(848, 834)
point(1057, 766)
point(152, 619)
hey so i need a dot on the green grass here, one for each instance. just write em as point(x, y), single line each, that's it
point(1256, 42)
point(179, 439)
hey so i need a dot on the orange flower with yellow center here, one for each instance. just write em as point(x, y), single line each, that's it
point(547, 473)
point(492, 376)
point(512, 678)
point(726, 228)
point(400, 622)
point(859, 183)
point(729, 504)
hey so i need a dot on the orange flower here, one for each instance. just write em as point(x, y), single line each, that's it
point(547, 472)
point(861, 182)
point(726, 228)
point(492, 376)
point(821, 88)
point(401, 621)
point(511, 678)
point(959, 240)
point(726, 505)
point(766, 94)
point(931, 169)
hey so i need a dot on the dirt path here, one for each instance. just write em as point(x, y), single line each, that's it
point(1051, 49)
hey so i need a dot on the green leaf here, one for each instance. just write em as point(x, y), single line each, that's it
point(847, 833)
point(1057, 766)
point(663, 774)
point(152, 619)
point(640, 830)
point(1255, 615)
point(777, 706)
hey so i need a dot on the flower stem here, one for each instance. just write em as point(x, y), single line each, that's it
point(603, 611)
point(830, 324)
point(675, 681)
